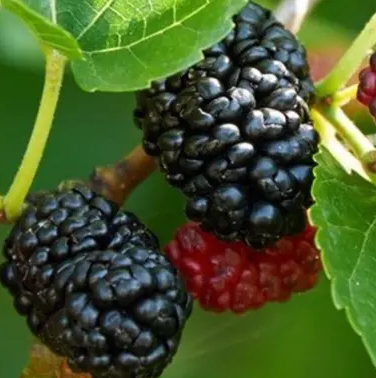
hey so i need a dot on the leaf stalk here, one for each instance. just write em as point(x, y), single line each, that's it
point(54, 73)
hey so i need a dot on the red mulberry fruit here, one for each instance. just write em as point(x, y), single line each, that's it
point(232, 276)
point(367, 86)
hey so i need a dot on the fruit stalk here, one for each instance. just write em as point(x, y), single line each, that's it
point(344, 96)
point(13, 201)
point(117, 181)
point(337, 149)
point(357, 141)
point(43, 363)
point(350, 62)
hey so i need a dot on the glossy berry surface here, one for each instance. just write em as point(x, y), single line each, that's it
point(232, 276)
point(367, 86)
point(233, 132)
point(93, 285)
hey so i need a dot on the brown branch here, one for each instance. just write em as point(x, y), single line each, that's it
point(3, 218)
point(45, 364)
point(42, 363)
point(117, 181)
point(66, 372)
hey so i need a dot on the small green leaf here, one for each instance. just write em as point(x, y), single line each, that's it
point(127, 44)
point(41, 17)
point(345, 214)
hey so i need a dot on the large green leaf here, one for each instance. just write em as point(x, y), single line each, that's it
point(125, 44)
point(41, 17)
point(345, 214)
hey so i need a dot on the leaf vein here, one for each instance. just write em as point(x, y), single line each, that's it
point(95, 19)
point(150, 36)
point(137, 58)
point(113, 10)
point(53, 11)
point(362, 250)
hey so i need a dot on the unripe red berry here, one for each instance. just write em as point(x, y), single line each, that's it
point(232, 276)
point(367, 86)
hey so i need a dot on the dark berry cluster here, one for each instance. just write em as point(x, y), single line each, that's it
point(232, 276)
point(233, 132)
point(93, 285)
point(367, 86)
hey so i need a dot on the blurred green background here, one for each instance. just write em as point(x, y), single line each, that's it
point(305, 338)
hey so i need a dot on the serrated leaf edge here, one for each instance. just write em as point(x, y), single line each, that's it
point(349, 312)
point(196, 56)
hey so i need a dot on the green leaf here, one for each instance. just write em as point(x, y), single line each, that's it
point(345, 214)
point(41, 17)
point(127, 44)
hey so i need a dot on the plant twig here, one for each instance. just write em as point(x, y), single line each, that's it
point(14, 199)
point(117, 181)
point(66, 372)
point(45, 364)
point(357, 141)
point(329, 140)
point(292, 13)
point(344, 96)
point(350, 62)
point(42, 363)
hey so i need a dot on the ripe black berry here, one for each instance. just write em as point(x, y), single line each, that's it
point(122, 316)
point(81, 271)
point(233, 132)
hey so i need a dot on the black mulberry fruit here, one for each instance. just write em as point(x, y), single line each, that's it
point(233, 132)
point(93, 285)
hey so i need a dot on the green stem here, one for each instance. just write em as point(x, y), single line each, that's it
point(357, 141)
point(54, 73)
point(344, 96)
point(335, 147)
point(350, 62)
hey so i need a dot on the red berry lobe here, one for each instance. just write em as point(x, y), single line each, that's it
point(232, 276)
point(372, 62)
point(372, 107)
point(367, 86)
point(366, 93)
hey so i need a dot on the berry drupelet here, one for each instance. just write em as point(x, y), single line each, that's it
point(233, 132)
point(94, 286)
point(225, 276)
point(367, 86)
